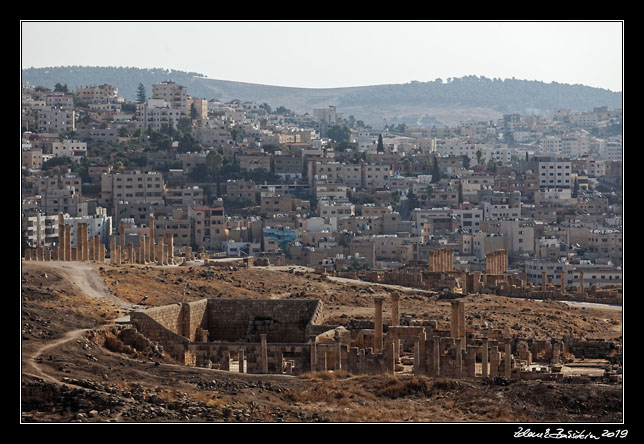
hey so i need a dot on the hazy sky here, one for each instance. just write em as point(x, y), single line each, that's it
point(339, 54)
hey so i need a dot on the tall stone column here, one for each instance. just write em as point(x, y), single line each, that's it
point(461, 321)
point(377, 334)
point(314, 357)
point(563, 281)
point(484, 357)
point(85, 251)
point(122, 235)
point(395, 321)
point(436, 356)
point(151, 239)
point(169, 240)
point(264, 352)
point(508, 359)
point(454, 320)
point(543, 281)
point(130, 253)
point(457, 321)
point(241, 360)
point(581, 282)
point(112, 250)
point(494, 361)
point(61, 237)
point(142, 249)
point(90, 249)
point(68, 242)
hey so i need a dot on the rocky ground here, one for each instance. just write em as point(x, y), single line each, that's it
point(77, 368)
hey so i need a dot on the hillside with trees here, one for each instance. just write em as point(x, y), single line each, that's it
point(430, 103)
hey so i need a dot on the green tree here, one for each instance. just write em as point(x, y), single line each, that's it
point(214, 162)
point(60, 88)
point(140, 93)
point(185, 125)
point(381, 147)
point(436, 172)
point(339, 133)
point(575, 189)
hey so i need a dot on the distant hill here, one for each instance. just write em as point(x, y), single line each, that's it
point(416, 103)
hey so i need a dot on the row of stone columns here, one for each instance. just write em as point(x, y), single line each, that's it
point(496, 262)
point(378, 324)
point(441, 260)
point(91, 249)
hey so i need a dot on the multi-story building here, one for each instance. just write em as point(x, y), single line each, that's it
point(209, 226)
point(593, 274)
point(255, 163)
point(64, 200)
point(97, 225)
point(74, 149)
point(56, 120)
point(330, 208)
point(157, 113)
point(132, 186)
point(40, 230)
point(31, 158)
point(96, 94)
point(60, 101)
point(184, 196)
point(241, 190)
point(470, 219)
point(175, 95)
point(58, 182)
point(376, 177)
point(287, 167)
point(554, 173)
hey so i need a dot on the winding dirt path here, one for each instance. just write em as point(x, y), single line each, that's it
point(89, 282)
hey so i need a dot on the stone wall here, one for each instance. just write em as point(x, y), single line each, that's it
point(233, 320)
point(160, 324)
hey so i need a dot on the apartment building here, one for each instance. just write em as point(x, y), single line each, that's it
point(209, 226)
point(174, 94)
point(40, 184)
point(555, 173)
point(241, 190)
point(97, 225)
point(96, 94)
point(31, 158)
point(60, 101)
point(287, 167)
point(255, 163)
point(66, 200)
point(375, 177)
point(329, 208)
point(184, 196)
point(156, 113)
point(470, 219)
point(323, 190)
point(74, 149)
point(197, 106)
point(40, 230)
point(56, 120)
point(132, 186)
point(593, 274)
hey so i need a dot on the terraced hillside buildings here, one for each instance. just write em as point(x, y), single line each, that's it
point(223, 178)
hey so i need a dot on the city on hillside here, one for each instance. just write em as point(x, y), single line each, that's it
point(241, 179)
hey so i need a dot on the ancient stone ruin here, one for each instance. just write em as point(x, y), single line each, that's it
point(284, 337)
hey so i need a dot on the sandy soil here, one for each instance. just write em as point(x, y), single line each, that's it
point(75, 369)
